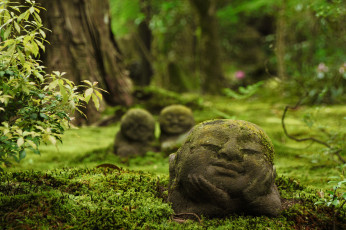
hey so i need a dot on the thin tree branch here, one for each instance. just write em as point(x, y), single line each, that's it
point(177, 218)
point(336, 152)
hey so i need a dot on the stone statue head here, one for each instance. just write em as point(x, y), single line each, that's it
point(137, 134)
point(176, 119)
point(225, 166)
point(138, 125)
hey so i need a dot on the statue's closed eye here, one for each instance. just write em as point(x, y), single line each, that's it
point(250, 151)
point(181, 118)
point(212, 147)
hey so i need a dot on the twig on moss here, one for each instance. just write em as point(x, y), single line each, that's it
point(177, 218)
point(336, 152)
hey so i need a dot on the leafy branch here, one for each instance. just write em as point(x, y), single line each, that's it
point(35, 107)
point(244, 92)
point(334, 199)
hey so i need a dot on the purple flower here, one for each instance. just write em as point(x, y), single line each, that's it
point(239, 74)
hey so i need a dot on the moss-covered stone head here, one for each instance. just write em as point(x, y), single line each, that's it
point(138, 125)
point(236, 135)
point(176, 119)
point(225, 166)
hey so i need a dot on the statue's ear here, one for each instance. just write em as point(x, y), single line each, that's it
point(172, 158)
point(274, 172)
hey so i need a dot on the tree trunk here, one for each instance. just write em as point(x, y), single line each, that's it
point(83, 46)
point(212, 79)
point(141, 72)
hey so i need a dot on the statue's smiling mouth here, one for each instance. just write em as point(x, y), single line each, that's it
point(228, 168)
point(175, 125)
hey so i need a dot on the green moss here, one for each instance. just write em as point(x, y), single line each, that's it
point(107, 198)
point(179, 109)
point(83, 198)
point(135, 115)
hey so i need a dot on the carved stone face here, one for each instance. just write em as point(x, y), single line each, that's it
point(176, 119)
point(224, 166)
point(138, 125)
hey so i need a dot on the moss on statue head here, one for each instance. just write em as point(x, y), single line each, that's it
point(249, 132)
point(176, 119)
point(137, 115)
point(138, 124)
point(177, 108)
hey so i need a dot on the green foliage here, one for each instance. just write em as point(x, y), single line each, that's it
point(334, 146)
point(312, 36)
point(174, 44)
point(333, 197)
point(315, 62)
point(128, 15)
point(170, 23)
point(169, 18)
point(231, 12)
point(313, 33)
point(325, 84)
point(318, 132)
point(244, 92)
point(334, 138)
point(35, 107)
point(93, 92)
point(333, 9)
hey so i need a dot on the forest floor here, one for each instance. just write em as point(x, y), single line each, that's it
point(304, 171)
point(310, 163)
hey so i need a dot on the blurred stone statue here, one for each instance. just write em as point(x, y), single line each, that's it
point(225, 166)
point(136, 135)
point(175, 123)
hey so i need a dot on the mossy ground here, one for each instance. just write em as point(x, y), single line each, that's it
point(62, 188)
point(108, 198)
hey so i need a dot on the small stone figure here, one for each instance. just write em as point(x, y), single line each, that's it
point(175, 122)
point(136, 135)
point(225, 166)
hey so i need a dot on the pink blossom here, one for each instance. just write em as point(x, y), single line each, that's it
point(322, 68)
point(239, 74)
point(342, 68)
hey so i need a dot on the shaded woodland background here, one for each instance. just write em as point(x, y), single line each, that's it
point(200, 46)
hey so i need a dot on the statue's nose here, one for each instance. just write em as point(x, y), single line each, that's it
point(174, 119)
point(231, 151)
